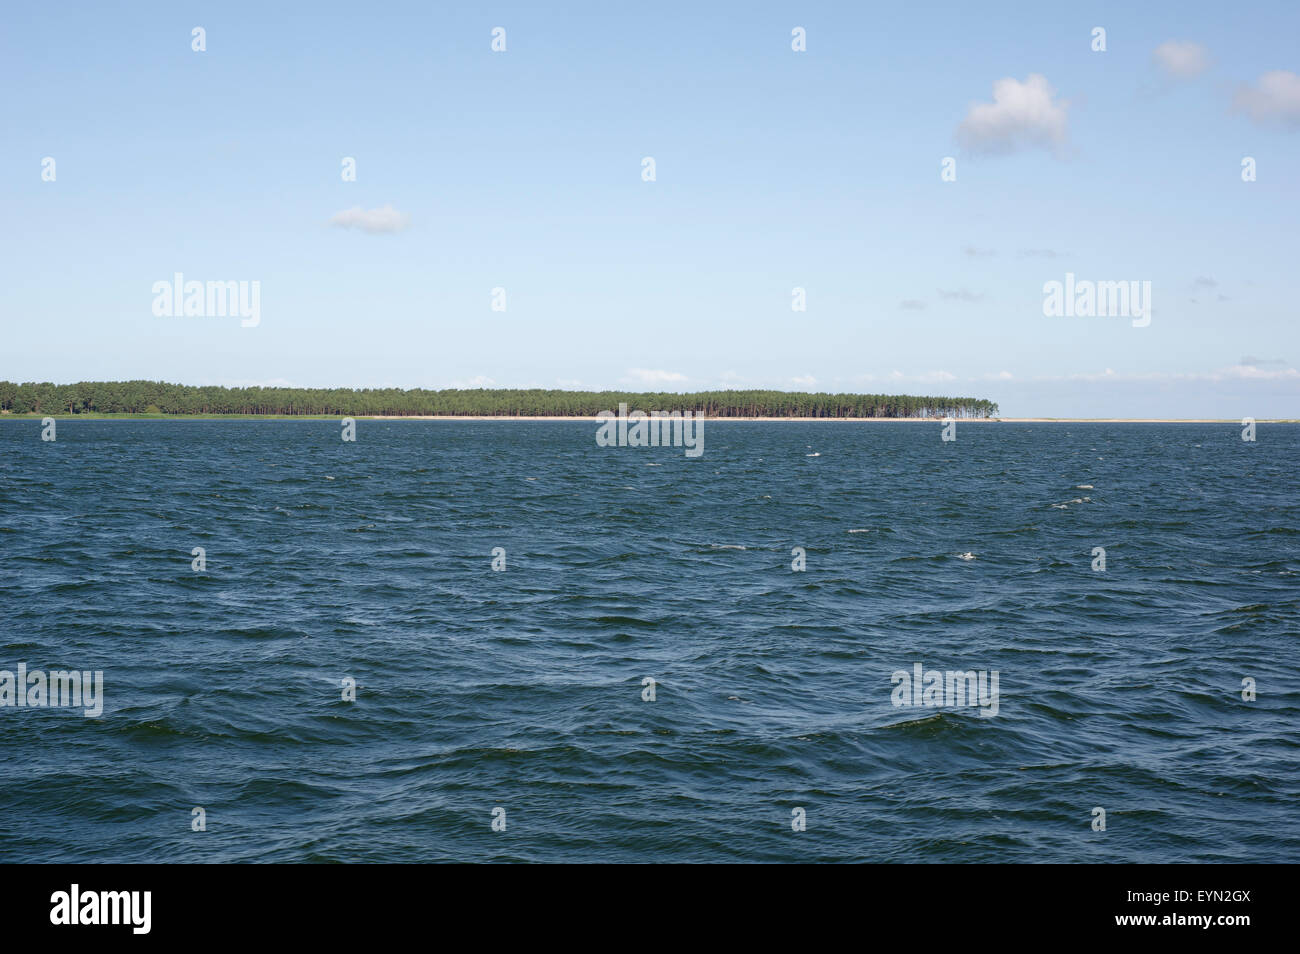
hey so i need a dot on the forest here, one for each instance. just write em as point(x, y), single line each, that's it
point(157, 397)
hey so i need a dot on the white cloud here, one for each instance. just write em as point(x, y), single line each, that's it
point(654, 376)
point(1256, 373)
point(728, 381)
point(961, 294)
point(897, 377)
point(804, 381)
point(251, 383)
point(1275, 98)
point(1236, 372)
point(478, 381)
point(1182, 58)
point(373, 221)
point(1022, 115)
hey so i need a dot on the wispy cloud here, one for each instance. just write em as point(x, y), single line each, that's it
point(1236, 372)
point(478, 381)
point(1255, 373)
point(1181, 59)
point(1021, 116)
point(932, 377)
point(1273, 100)
point(912, 304)
point(972, 252)
point(250, 383)
point(897, 378)
point(924, 377)
point(374, 221)
point(654, 376)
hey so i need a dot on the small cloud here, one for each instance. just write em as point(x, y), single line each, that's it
point(251, 383)
point(1041, 253)
point(934, 376)
point(912, 304)
point(1251, 372)
point(973, 252)
point(1274, 99)
point(1239, 372)
point(474, 383)
point(373, 221)
point(654, 376)
point(1000, 376)
point(898, 377)
point(1022, 115)
point(1181, 58)
point(568, 384)
point(961, 294)
point(806, 381)
point(1204, 282)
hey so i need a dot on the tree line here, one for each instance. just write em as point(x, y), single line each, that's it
point(157, 397)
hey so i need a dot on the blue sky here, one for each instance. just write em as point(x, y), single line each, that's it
point(775, 169)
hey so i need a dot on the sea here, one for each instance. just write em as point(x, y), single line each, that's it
point(499, 641)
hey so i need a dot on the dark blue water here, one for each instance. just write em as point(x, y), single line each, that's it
point(522, 689)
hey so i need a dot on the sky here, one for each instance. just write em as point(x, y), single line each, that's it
point(523, 170)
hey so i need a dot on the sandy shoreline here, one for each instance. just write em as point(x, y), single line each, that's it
point(860, 420)
point(712, 420)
